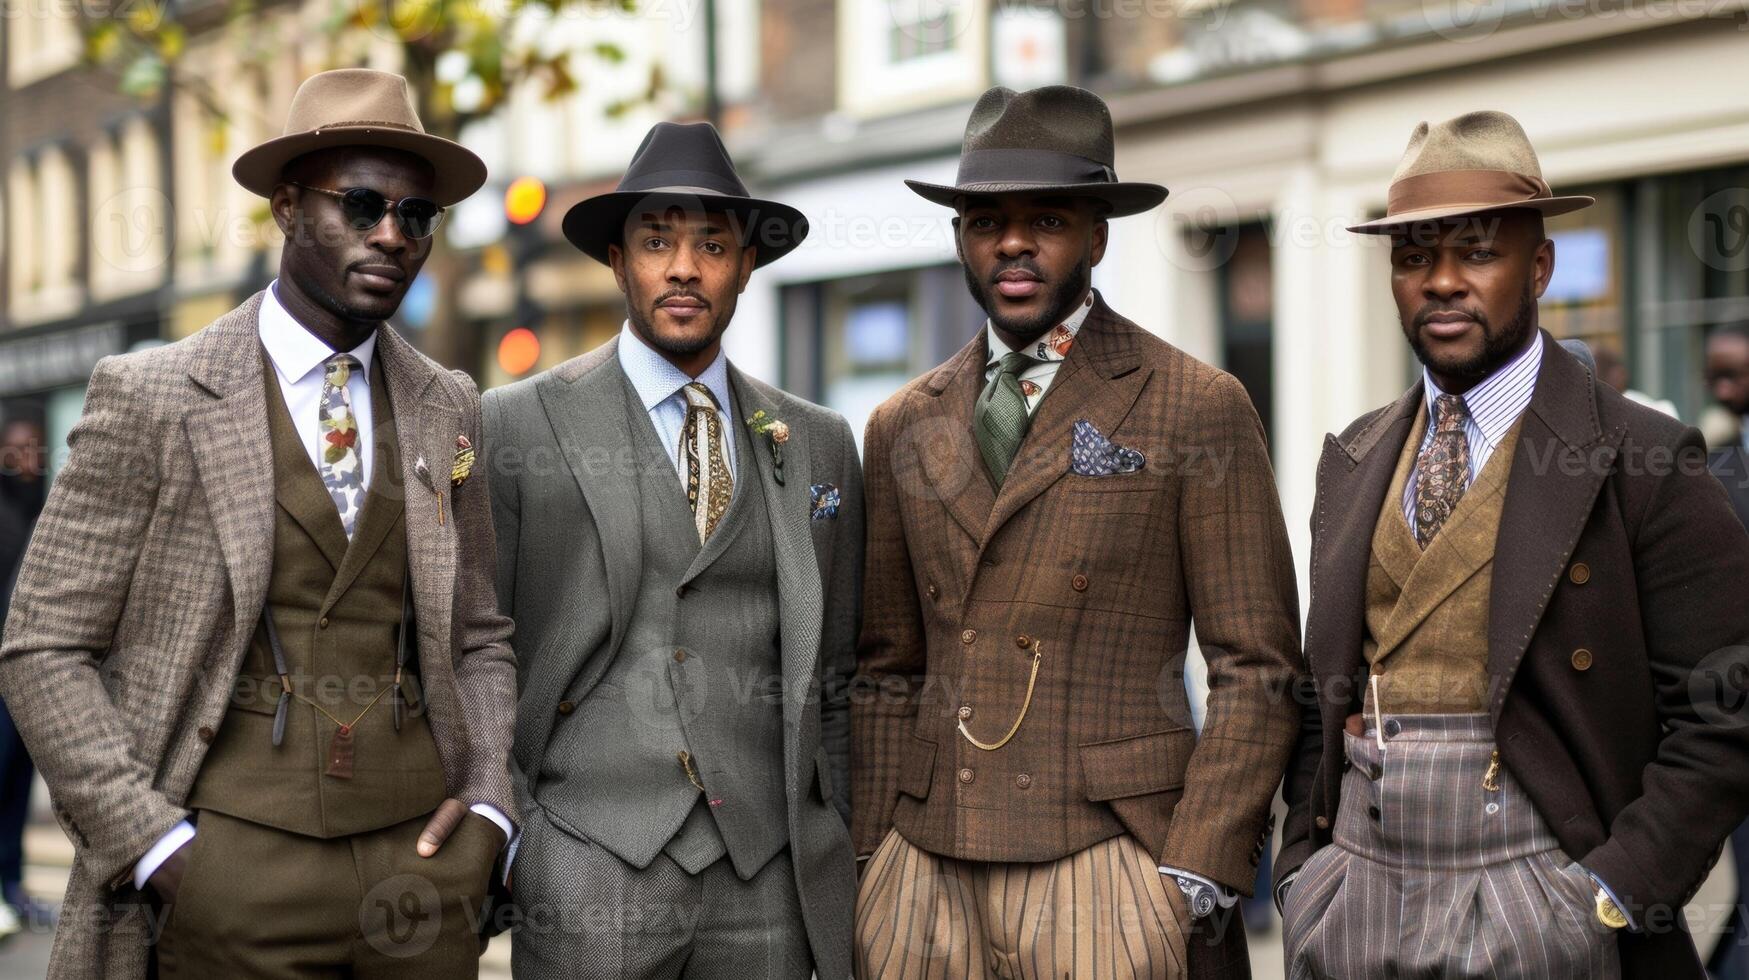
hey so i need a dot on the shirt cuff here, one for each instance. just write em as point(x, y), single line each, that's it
point(1224, 897)
point(497, 816)
point(1281, 891)
point(167, 845)
point(1599, 882)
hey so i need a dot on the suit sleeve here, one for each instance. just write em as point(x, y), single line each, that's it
point(71, 593)
point(486, 669)
point(1239, 576)
point(844, 618)
point(891, 661)
point(1691, 560)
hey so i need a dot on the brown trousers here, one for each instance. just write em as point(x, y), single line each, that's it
point(1104, 911)
point(257, 902)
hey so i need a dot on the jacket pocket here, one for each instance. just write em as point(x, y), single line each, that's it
point(917, 772)
point(1137, 765)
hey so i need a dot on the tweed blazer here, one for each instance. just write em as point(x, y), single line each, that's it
point(1615, 615)
point(146, 578)
point(1100, 578)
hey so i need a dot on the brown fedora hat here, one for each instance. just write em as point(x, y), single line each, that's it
point(1478, 162)
point(359, 107)
point(1051, 140)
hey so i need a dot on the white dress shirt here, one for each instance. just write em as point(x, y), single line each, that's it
point(658, 382)
point(298, 358)
point(1493, 406)
point(1047, 352)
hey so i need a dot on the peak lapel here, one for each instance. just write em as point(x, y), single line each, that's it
point(936, 456)
point(232, 452)
point(426, 426)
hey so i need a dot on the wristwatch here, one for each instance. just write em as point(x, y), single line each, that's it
point(1608, 912)
point(1200, 896)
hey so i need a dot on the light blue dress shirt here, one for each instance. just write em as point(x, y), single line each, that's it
point(658, 384)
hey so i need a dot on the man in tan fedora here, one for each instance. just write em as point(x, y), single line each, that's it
point(1048, 512)
point(254, 646)
point(1522, 750)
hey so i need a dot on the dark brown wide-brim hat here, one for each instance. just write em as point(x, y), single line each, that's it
point(1476, 163)
point(359, 107)
point(1049, 141)
point(685, 166)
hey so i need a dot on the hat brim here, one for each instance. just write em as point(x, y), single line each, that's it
point(1123, 197)
point(1547, 206)
point(772, 229)
point(457, 171)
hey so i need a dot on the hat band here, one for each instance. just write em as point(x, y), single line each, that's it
point(683, 180)
point(362, 124)
point(1032, 166)
point(1463, 188)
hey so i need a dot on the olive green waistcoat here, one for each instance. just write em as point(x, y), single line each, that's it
point(1427, 611)
point(337, 607)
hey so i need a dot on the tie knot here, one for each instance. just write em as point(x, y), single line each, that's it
point(698, 395)
point(1449, 413)
point(1014, 363)
point(338, 368)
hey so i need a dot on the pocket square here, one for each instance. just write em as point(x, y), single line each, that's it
point(1092, 454)
point(823, 499)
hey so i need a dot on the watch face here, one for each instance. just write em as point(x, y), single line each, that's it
point(1608, 913)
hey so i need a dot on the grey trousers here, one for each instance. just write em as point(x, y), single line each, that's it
point(1432, 874)
point(587, 915)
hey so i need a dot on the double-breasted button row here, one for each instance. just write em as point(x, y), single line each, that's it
point(1024, 780)
point(1023, 641)
point(968, 637)
point(965, 712)
point(1078, 583)
point(965, 775)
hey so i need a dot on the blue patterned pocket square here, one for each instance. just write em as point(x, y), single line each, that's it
point(824, 497)
point(1092, 454)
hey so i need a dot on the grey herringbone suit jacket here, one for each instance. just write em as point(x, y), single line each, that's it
point(567, 505)
point(146, 578)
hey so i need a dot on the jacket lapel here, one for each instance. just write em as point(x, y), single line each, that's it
point(232, 449)
point(942, 461)
point(587, 410)
point(1563, 457)
point(426, 426)
point(1099, 381)
point(1355, 476)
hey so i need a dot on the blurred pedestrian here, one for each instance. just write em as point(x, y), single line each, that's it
point(21, 499)
point(1612, 370)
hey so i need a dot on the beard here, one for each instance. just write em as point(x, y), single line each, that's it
point(1064, 297)
point(1498, 345)
point(643, 317)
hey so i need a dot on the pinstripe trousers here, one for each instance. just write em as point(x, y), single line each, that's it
point(1435, 874)
point(1100, 912)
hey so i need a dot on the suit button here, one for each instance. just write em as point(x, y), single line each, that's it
point(565, 707)
point(965, 775)
point(1375, 772)
point(1023, 641)
point(1023, 780)
point(323, 622)
point(1581, 659)
point(205, 733)
point(1323, 823)
point(1078, 583)
point(680, 656)
point(1393, 728)
point(933, 591)
point(1580, 573)
point(1373, 812)
point(968, 637)
point(965, 712)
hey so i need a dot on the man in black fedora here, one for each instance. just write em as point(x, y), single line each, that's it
point(1048, 512)
point(680, 546)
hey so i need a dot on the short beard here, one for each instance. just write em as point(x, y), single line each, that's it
point(1064, 299)
point(1498, 346)
point(684, 346)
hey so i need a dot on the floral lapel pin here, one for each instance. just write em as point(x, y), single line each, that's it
point(823, 502)
point(464, 461)
point(776, 431)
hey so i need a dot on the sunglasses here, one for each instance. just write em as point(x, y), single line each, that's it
point(364, 210)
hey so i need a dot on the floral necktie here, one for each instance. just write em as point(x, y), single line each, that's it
point(709, 484)
point(342, 467)
point(1442, 472)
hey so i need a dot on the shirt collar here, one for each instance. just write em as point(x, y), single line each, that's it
point(656, 379)
point(293, 349)
point(1051, 346)
point(1497, 402)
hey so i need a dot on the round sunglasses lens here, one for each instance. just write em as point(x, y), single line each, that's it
point(419, 217)
point(363, 207)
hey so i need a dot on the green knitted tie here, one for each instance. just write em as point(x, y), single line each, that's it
point(1000, 420)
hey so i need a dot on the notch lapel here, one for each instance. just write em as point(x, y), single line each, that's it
point(426, 424)
point(232, 450)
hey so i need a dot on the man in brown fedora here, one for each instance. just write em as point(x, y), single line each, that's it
point(1524, 742)
point(254, 647)
point(680, 546)
point(1049, 511)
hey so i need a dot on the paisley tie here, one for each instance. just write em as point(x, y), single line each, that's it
point(1443, 468)
point(342, 467)
point(709, 484)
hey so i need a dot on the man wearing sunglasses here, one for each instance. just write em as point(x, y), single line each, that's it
point(254, 647)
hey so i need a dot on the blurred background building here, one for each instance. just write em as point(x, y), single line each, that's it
point(1274, 122)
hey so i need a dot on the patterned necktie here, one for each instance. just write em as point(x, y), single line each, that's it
point(342, 467)
point(1000, 420)
point(1442, 472)
point(709, 484)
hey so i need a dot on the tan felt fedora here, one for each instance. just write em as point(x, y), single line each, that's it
point(1478, 162)
point(359, 107)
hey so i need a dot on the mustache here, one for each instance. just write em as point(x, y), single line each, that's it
point(1018, 265)
point(682, 294)
point(1426, 313)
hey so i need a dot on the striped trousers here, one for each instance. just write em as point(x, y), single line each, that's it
point(1439, 872)
point(1105, 911)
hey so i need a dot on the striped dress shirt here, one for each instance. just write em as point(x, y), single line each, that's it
point(1494, 405)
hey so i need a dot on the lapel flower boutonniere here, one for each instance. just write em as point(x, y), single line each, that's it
point(776, 431)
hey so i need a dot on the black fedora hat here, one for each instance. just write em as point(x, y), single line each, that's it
point(1051, 140)
point(684, 165)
